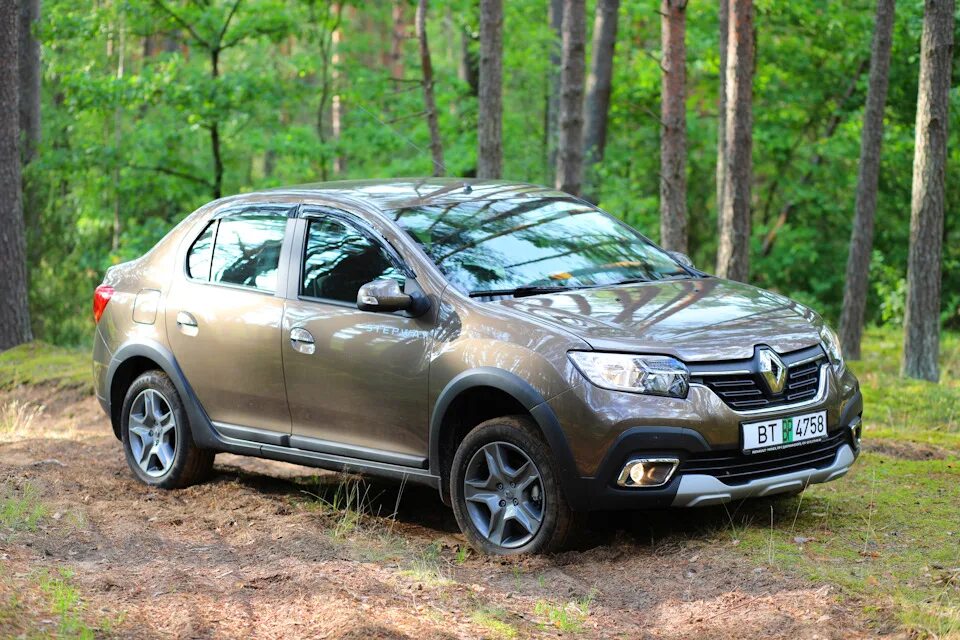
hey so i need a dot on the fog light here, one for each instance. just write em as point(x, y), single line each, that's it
point(647, 472)
point(856, 433)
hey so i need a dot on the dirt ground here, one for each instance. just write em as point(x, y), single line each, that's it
point(256, 553)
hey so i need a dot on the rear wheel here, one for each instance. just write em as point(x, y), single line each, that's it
point(505, 490)
point(156, 435)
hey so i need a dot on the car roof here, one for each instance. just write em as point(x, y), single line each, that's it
point(400, 193)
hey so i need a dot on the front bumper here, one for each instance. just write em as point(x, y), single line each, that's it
point(701, 490)
point(606, 429)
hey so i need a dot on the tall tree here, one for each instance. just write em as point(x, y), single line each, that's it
point(733, 254)
point(214, 28)
point(598, 87)
point(572, 68)
point(490, 116)
point(723, 13)
point(871, 141)
point(398, 34)
point(426, 64)
point(921, 345)
point(14, 312)
point(673, 126)
point(552, 111)
point(29, 61)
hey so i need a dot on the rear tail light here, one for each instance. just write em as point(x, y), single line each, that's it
point(101, 297)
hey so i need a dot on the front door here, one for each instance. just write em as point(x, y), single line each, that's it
point(356, 380)
point(224, 320)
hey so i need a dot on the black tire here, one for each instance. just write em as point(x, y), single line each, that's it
point(557, 522)
point(189, 464)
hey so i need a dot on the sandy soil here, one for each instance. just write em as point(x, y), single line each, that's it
point(253, 553)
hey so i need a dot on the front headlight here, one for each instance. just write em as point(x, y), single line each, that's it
point(653, 375)
point(831, 344)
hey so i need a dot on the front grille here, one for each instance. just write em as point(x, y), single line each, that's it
point(747, 391)
point(735, 468)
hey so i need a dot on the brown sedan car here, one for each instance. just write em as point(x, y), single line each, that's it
point(526, 354)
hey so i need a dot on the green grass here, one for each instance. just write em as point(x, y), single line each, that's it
point(494, 621)
point(21, 510)
point(910, 410)
point(41, 363)
point(567, 617)
point(65, 602)
point(888, 534)
point(53, 598)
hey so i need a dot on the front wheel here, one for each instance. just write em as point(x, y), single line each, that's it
point(156, 435)
point(505, 490)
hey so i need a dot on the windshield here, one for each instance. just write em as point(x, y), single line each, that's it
point(502, 245)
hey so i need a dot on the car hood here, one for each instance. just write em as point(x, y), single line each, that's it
point(694, 319)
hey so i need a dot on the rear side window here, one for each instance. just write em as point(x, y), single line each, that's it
point(339, 259)
point(247, 250)
point(200, 254)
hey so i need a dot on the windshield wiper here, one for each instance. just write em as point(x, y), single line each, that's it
point(679, 276)
point(518, 292)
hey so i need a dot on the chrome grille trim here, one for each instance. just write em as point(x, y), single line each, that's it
point(739, 386)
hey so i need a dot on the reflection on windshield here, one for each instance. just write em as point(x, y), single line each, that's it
point(506, 244)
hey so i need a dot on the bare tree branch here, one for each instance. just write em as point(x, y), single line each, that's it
point(175, 173)
point(183, 23)
point(226, 23)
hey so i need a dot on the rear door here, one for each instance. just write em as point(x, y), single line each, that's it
point(358, 386)
point(224, 318)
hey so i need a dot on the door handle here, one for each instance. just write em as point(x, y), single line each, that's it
point(302, 341)
point(187, 323)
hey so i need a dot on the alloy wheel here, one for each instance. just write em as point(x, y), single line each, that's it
point(153, 433)
point(504, 494)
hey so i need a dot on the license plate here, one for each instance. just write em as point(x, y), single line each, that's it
point(780, 433)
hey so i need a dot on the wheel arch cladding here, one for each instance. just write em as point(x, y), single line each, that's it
point(135, 358)
point(499, 393)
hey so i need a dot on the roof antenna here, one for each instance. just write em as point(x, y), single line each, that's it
point(467, 188)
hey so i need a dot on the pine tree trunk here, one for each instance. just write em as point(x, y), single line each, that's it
point(29, 61)
point(552, 116)
point(436, 147)
point(871, 142)
point(336, 100)
point(467, 69)
point(215, 149)
point(14, 311)
point(598, 88)
point(572, 67)
point(724, 26)
point(733, 254)
point(489, 118)
point(397, 36)
point(673, 126)
point(921, 345)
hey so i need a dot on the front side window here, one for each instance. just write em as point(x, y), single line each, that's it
point(339, 259)
point(487, 245)
point(247, 250)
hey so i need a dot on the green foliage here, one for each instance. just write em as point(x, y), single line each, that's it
point(130, 104)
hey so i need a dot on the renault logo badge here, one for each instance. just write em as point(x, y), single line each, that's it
point(773, 370)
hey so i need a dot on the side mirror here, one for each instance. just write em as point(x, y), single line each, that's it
point(383, 295)
point(682, 258)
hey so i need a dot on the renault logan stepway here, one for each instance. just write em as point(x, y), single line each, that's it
point(519, 350)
